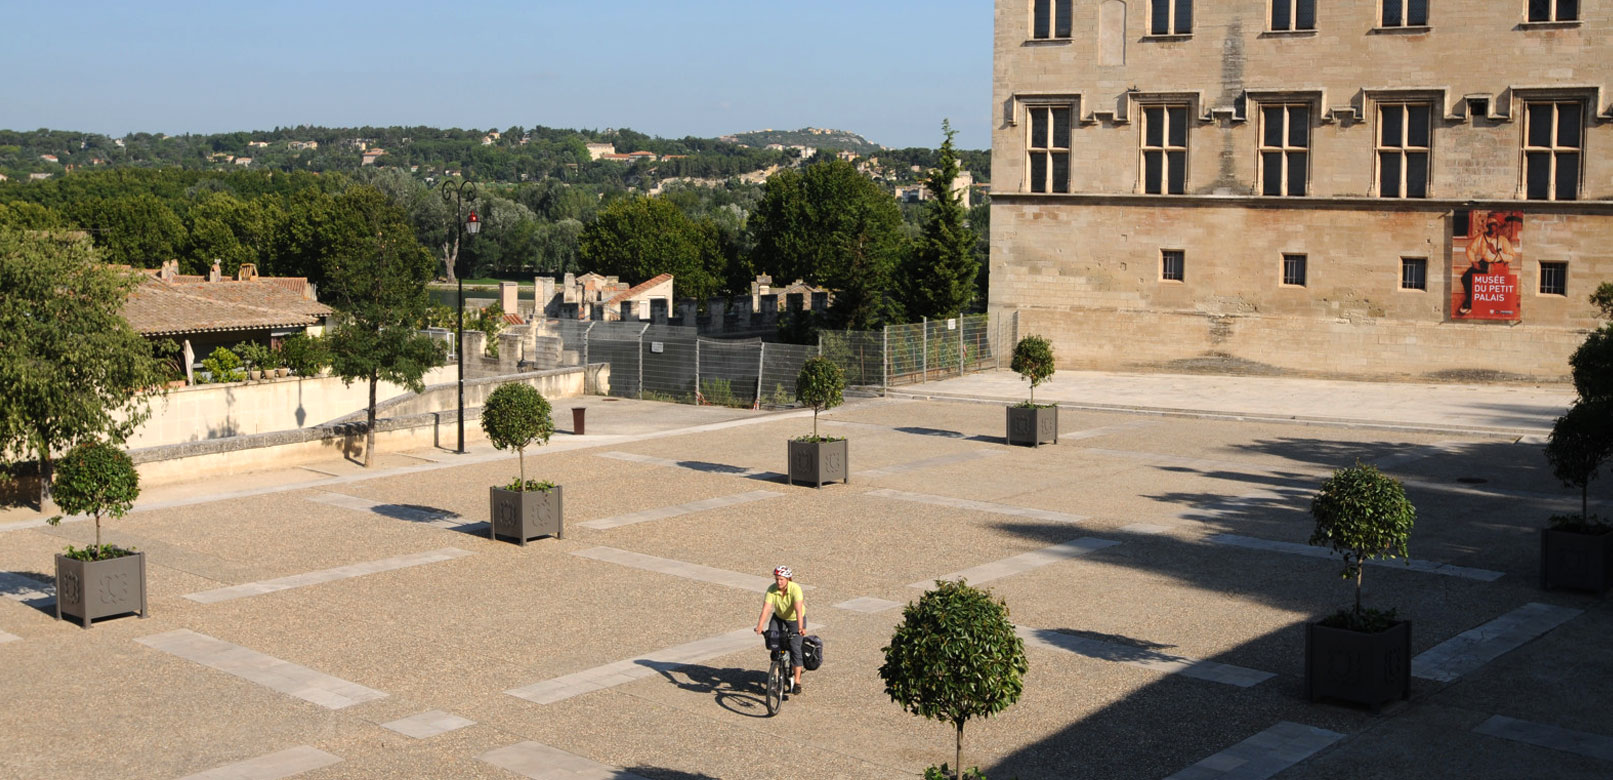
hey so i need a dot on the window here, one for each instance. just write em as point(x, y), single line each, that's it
point(1294, 270)
point(1049, 163)
point(1171, 265)
point(1284, 144)
point(1551, 150)
point(1553, 10)
point(1171, 17)
point(1413, 273)
point(1293, 15)
point(1403, 138)
point(1405, 13)
point(1165, 150)
point(1051, 19)
point(1553, 278)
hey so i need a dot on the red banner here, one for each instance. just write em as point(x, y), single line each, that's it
point(1484, 265)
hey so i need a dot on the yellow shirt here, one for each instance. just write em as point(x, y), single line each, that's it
point(784, 603)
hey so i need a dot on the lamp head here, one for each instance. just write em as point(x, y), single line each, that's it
point(473, 223)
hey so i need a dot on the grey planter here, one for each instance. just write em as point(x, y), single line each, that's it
point(1033, 425)
point(1575, 561)
point(525, 515)
point(1356, 667)
point(817, 462)
point(88, 590)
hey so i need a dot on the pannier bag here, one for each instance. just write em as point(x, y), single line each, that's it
point(811, 652)
point(775, 640)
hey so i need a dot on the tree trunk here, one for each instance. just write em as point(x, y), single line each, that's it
point(957, 753)
point(1585, 502)
point(1360, 569)
point(369, 430)
point(450, 259)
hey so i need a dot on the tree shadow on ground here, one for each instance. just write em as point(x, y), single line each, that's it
point(949, 434)
point(30, 588)
point(661, 773)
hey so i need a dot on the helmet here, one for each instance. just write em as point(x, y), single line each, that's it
point(784, 571)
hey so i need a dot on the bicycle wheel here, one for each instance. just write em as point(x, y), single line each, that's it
point(775, 686)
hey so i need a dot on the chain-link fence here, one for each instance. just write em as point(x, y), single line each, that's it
point(673, 363)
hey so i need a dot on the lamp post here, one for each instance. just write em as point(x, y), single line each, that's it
point(458, 192)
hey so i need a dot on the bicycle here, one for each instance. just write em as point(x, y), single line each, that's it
point(779, 672)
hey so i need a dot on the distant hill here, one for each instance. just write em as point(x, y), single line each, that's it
point(816, 137)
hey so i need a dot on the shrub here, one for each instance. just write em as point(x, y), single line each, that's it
point(820, 385)
point(304, 354)
point(516, 415)
point(97, 479)
point(224, 366)
point(1581, 441)
point(1033, 359)
point(1362, 514)
point(255, 355)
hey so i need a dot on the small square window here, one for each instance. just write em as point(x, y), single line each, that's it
point(1405, 13)
point(1293, 15)
point(1172, 265)
point(1553, 10)
point(1553, 278)
point(1413, 273)
point(1294, 270)
point(1050, 19)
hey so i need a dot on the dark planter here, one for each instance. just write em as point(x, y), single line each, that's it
point(1357, 667)
point(88, 590)
point(525, 515)
point(817, 462)
point(1032, 425)
point(1569, 559)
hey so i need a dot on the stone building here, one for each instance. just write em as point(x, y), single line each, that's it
point(1383, 187)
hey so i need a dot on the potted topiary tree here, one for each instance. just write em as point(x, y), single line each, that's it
point(1360, 655)
point(1029, 423)
point(102, 580)
point(256, 357)
point(517, 416)
point(955, 656)
point(1576, 551)
point(818, 459)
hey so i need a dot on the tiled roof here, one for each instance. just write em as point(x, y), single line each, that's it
point(643, 286)
point(158, 308)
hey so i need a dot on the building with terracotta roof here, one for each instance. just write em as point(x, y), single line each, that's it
point(211, 311)
point(635, 300)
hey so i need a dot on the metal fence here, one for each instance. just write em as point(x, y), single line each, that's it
point(673, 363)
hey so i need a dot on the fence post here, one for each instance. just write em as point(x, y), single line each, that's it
point(885, 361)
point(641, 361)
point(697, 371)
point(962, 326)
point(585, 332)
point(924, 353)
point(761, 358)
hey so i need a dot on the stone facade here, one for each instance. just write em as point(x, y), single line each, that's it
point(1082, 258)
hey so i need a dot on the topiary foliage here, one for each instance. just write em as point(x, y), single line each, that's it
point(821, 385)
point(1581, 441)
point(514, 416)
point(98, 479)
point(1362, 514)
point(224, 366)
point(1033, 359)
point(955, 656)
point(1592, 365)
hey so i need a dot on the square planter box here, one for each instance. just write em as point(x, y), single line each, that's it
point(88, 590)
point(815, 462)
point(525, 515)
point(1575, 561)
point(1362, 668)
point(1033, 425)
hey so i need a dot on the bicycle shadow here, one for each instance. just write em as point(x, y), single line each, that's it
point(740, 691)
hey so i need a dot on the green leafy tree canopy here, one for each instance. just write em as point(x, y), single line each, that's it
point(99, 480)
point(515, 416)
point(1581, 441)
point(821, 385)
point(1362, 514)
point(638, 238)
point(1033, 359)
point(940, 275)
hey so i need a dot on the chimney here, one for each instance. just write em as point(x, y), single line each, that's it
point(509, 297)
point(217, 273)
point(170, 269)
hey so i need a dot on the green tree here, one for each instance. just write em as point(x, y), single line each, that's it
point(71, 368)
point(820, 385)
point(96, 479)
point(955, 656)
point(377, 283)
point(223, 227)
point(1362, 514)
point(831, 226)
point(637, 238)
point(1581, 441)
point(134, 230)
point(517, 416)
point(1033, 359)
point(940, 273)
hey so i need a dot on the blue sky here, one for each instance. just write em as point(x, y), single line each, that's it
point(888, 70)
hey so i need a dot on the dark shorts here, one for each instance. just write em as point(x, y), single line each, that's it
point(787, 628)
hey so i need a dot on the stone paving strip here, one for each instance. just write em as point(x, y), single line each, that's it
point(272, 673)
point(978, 506)
point(428, 724)
point(1147, 658)
point(694, 465)
point(541, 762)
point(1309, 551)
point(613, 674)
point(328, 575)
point(916, 465)
point(662, 513)
point(693, 571)
point(5, 637)
point(1546, 736)
point(27, 590)
point(867, 605)
point(1023, 562)
point(1476, 647)
point(1262, 755)
point(286, 763)
point(439, 518)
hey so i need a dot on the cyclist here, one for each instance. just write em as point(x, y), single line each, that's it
point(787, 608)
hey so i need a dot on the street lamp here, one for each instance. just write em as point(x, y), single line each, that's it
point(458, 192)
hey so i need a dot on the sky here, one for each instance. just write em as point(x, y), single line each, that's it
point(888, 70)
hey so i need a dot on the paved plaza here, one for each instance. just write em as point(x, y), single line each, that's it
point(332, 622)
